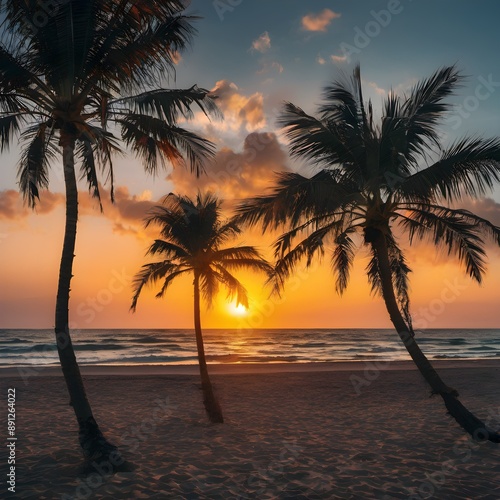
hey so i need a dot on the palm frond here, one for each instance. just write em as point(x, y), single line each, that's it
point(170, 105)
point(469, 167)
point(9, 126)
point(14, 75)
point(239, 252)
point(234, 287)
point(88, 168)
point(169, 279)
point(424, 108)
point(95, 148)
point(158, 143)
point(288, 256)
point(296, 198)
point(324, 143)
point(209, 284)
point(168, 250)
point(342, 259)
point(226, 231)
point(448, 229)
point(400, 278)
point(34, 164)
point(341, 104)
point(149, 275)
point(139, 51)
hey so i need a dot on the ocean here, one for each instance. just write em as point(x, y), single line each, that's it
point(175, 347)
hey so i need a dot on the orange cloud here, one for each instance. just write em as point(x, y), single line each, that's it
point(335, 58)
point(13, 208)
point(263, 43)
point(319, 22)
point(236, 175)
point(126, 214)
point(486, 208)
point(176, 57)
point(321, 60)
point(240, 111)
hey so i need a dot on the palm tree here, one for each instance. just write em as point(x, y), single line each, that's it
point(193, 234)
point(81, 68)
point(370, 183)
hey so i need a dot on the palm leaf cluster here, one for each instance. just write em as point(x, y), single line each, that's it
point(378, 178)
point(193, 240)
point(88, 79)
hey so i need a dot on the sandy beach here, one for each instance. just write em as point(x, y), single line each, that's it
point(312, 431)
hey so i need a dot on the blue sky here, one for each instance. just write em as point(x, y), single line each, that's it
point(396, 43)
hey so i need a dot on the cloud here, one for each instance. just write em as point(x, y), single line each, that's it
point(267, 67)
point(176, 57)
point(263, 43)
point(374, 86)
point(126, 214)
point(11, 205)
point(240, 111)
point(320, 60)
point(487, 208)
point(335, 58)
point(237, 175)
point(13, 208)
point(319, 22)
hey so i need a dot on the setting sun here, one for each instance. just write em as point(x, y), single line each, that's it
point(237, 309)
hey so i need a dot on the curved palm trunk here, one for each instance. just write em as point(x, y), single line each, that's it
point(209, 400)
point(456, 409)
point(91, 439)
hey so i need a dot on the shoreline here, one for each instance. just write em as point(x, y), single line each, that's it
point(244, 368)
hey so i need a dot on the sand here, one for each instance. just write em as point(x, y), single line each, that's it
point(312, 431)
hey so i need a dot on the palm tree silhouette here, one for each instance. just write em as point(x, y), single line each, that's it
point(193, 235)
point(90, 65)
point(369, 182)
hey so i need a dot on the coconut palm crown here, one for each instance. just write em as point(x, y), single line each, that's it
point(79, 82)
point(370, 182)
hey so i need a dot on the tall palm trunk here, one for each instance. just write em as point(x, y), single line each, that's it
point(209, 400)
point(91, 439)
point(456, 409)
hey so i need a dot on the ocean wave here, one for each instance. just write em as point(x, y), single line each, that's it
point(457, 341)
point(102, 347)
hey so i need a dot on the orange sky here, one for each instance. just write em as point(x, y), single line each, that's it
point(110, 249)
